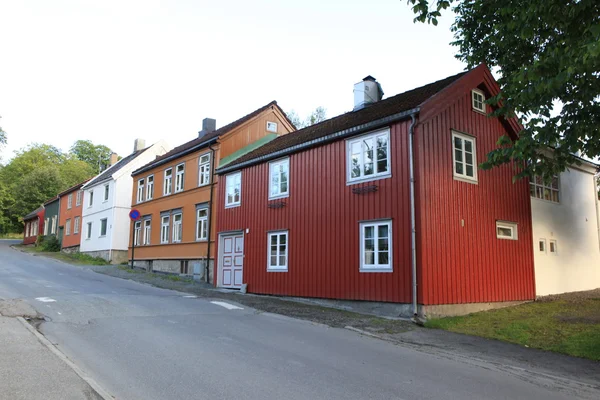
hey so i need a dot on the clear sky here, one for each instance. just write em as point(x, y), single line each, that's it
point(115, 70)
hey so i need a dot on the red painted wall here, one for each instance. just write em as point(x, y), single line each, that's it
point(74, 239)
point(31, 239)
point(322, 216)
point(467, 264)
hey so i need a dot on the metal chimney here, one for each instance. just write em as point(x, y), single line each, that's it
point(208, 125)
point(367, 92)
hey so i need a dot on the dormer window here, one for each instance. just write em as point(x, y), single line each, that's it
point(272, 126)
point(478, 100)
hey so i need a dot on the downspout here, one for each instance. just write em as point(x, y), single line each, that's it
point(596, 200)
point(413, 227)
point(210, 209)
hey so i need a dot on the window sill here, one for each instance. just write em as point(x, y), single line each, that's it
point(479, 111)
point(279, 197)
point(277, 269)
point(556, 203)
point(376, 270)
point(233, 205)
point(369, 179)
point(466, 180)
point(102, 236)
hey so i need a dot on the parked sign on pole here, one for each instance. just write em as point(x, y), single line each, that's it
point(135, 215)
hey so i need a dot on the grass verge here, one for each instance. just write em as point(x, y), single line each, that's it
point(71, 258)
point(11, 236)
point(568, 324)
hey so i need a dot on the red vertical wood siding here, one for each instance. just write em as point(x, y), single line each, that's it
point(468, 264)
point(322, 216)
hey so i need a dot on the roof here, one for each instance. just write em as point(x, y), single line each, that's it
point(203, 141)
point(392, 105)
point(33, 213)
point(72, 188)
point(52, 200)
point(108, 173)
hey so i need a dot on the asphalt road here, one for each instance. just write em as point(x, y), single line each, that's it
point(141, 342)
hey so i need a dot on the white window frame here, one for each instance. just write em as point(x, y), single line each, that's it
point(106, 192)
point(550, 243)
point(513, 226)
point(68, 227)
point(474, 101)
point(149, 187)
point(140, 190)
point(230, 183)
point(88, 233)
point(543, 188)
point(544, 245)
point(464, 176)
point(78, 198)
point(91, 198)
point(76, 225)
point(179, 178)
point(53, 228)
point(278, 267)
point(106, 225)
point(204, 170)
point(376, 267)
point(273, 166)
point(177, 236)
point(375, 175)
point(137, 232)
point(70, 201)
point(271, 126)
point(201, 225)
point(167, 189)
point(165, 228)
point(46, 223)
point(147, 231)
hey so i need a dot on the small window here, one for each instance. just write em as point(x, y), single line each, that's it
point(202, 224)
point(539, 189)
point(478, 99)
point(140, 191)
point(204, 170)
point(106, 191)
point(177, 227)
point(76, 225)
point(278, 251)
point(506, 230)
point(88, 234)
point(233, 189)
point(279, 178)
point(179, 177)
point(70, 201)
point(103, 226)
point(91, 198)
point(150, 188)
point(147, 231)
point(542, 245)
point(368, 156)
point(164, 229)
point(53, 229)
point(78, 199)
point(68, 227)
point(464, 156)
point(168, 182)
point(137, 233)
point(375, 246)
point(271, 126)
point(46, 223)
point(553, 247)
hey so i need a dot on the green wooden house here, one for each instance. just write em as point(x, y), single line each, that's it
point(51, 219)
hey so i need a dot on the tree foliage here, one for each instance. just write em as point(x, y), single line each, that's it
point(3, 138)
point(319, 115)
point(97, 156)
point(547, 56)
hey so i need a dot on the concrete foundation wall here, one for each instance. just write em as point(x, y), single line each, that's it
point(113, 257)
point(452, 310)
point(195, 268)
point(70, 250)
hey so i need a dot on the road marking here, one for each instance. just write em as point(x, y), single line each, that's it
point(191, 297)
point(45, 299)
point(227, 305)
point(59, 313)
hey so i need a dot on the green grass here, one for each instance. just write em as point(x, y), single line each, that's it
point(11, 236)
point(568, 324)
point(71, 258)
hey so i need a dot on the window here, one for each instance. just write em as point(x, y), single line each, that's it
point(478, 99)
point(106, 192)
point(103, 225)
point(88, 234)
point(553, 248)
point(91, 200)
point(150, 188)
point(53, 227)
point(77, 223)
point(202, 224)
point(271, 126)
point(137, 232)
point(177, 228)
point(542, 245)
point(140, 191)
point(27, 226)
point(78, 198)
point(147, 231)
point(279, 178)
point(368, 156)
point(35, 228)
point(375, 246)
point(168, 183)
point(164, 229)
point(68, 227)
point(464, 156)
point(233, 189)
point(278, 251)
point(539, 189)
point(179, 177)
point(204, 170)
point(70, 201)
point(46, 223)
point(506, 230)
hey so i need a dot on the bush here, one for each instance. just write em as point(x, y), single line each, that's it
point(49, 243)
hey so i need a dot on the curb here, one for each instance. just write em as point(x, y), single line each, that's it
point(93, 384)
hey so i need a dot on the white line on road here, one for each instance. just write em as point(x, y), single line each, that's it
point(227, 305)
point(45, 299)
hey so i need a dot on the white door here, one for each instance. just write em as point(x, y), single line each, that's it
point(232, 261)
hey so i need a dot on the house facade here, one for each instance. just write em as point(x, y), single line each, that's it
point(384, 203)
point(107, 202)
point(33, 225)
point(566, 230)
point(51, 217)
point(70, 218)
point(175, 193)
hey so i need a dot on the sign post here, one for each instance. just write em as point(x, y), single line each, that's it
point(134, 215)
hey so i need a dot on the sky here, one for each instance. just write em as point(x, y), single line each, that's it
point(112, 71)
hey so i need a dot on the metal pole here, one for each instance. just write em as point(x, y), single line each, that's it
point(132, 243)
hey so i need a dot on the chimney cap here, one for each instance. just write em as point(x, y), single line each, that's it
point(369, 78)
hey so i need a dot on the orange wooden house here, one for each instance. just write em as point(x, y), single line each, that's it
point(69, 217)
point(175, 193)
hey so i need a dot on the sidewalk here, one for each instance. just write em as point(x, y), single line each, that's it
point(29, 370)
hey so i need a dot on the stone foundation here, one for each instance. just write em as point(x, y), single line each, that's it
point(112, 256)
point(192, 268)
point(70, 250)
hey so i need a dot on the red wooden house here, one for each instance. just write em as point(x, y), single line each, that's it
point(384, 203)
point(33, 225)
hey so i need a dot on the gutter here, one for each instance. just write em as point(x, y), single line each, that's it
point(413, 224)
point(355, 130)
point(210, 210)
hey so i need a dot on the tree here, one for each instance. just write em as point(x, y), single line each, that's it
point(547, 56)
point(319, 115)
point(97, 156)
point(3, 139)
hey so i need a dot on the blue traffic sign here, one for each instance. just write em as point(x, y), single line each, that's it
point(134, 215)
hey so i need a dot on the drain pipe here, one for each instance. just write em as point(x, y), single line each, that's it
point(596, 177)
point(210, 209)
point(413, 227)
